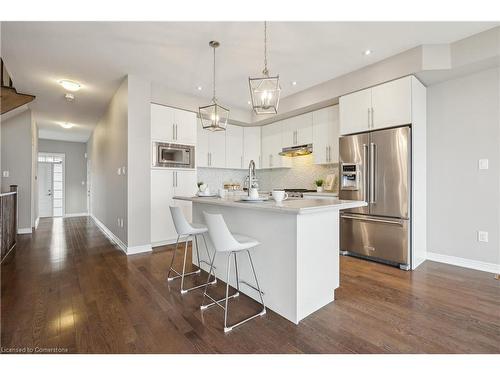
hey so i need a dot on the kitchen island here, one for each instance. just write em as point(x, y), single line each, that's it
point(297, 261)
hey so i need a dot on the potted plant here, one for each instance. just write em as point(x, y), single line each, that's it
point(319, 185)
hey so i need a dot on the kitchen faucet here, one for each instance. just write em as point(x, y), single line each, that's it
point(251, 175)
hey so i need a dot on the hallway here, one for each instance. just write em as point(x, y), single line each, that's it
point(67, 288)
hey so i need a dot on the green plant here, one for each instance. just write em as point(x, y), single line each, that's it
point(319, 182)
point(199, 183)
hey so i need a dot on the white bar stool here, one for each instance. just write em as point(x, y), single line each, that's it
point(184, 228)
point(225, 242)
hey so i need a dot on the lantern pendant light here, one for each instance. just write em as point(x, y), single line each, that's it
point(265, 91)
point(213, 117)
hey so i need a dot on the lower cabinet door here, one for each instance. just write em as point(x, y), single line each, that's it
point(185, 185)
point(162, 191)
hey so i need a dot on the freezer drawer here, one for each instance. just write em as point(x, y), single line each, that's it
point(376, 237)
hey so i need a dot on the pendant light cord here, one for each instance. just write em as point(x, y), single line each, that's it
point(213, 83)
point(265, 71)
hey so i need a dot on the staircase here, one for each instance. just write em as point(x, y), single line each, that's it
point(9, 97)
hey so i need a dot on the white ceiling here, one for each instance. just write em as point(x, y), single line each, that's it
point(175, 54)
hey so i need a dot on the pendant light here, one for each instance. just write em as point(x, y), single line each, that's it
point(213, 117)
point(265, 91)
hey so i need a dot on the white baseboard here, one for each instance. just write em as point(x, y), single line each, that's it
point(168, 242)
point(129, 250)
point(464, 262)
point(24, 230)
point(77, 214)
point(110, 234)
point(37, 221)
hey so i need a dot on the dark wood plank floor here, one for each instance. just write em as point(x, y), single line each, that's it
point(68, 287)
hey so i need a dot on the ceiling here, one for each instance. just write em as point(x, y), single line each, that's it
point(176, 54)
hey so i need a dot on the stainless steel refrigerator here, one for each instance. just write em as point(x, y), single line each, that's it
point(376, 167)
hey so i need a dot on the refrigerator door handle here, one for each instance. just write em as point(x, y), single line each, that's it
point(365, 174)
point(373, 154)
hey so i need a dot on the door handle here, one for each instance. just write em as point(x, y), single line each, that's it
point(173, 132)
point(373, 190)
point(376, 220)
point(326, 150)
point(365, 174)
point(373, 124)
point(369, 120)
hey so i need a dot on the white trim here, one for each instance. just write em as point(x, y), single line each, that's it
point(77, 214)
point(168, 242)
point(127, 250)
point(37, 221)
point(24, 230)
point(110, 234)
point(138, 249)
point(463, 262)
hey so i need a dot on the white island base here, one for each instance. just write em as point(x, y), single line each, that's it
point(297, 262)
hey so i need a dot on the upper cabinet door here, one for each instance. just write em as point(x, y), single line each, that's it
point(304, 126)
point(251, 146)
point(202, 150)
point(271, 145)
point(185, 127)
point(234, 147)
point(326, 135)
point(288, 132)
point(391, 103)
point(355, 112)
point(162, 123)
point(217, 149)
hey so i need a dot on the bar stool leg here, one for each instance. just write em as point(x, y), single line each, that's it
point(197, 251)
point(208, 255)
point(237, 274)
point(203, 307)
point(257, 282)
point(172, 262)
point(227, 290)
point(184, 267)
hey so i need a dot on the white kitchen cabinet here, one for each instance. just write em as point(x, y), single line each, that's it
point(271, 145)
point(234, 147)
point(251, 146)
point(382, 106)
point(326, 135)
point(355, 112)
point(165, 184)
point(172, 125)
point(211, 148)
point(297, 130)
point(391, 104)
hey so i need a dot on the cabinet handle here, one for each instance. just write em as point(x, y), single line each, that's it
point(369, 120)
point(241, 161)
point(270, 160)
point(326, 153)
point(330, 154)
point(173, 132)
point(373, 124)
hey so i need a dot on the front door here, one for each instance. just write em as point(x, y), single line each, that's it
point(45, 191)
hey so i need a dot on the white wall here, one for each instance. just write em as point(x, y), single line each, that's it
point(464, 126)
point(75, 199)
point(17, 158)
point(139, 162)
point(107, 151)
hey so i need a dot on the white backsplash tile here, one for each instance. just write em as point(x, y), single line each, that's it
point(301, 176)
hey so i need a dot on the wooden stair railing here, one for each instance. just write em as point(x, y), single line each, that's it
point(8, 221)
point(9, 97)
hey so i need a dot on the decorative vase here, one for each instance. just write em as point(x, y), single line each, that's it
point(319, 189)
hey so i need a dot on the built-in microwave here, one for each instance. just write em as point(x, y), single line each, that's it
point(172, 155)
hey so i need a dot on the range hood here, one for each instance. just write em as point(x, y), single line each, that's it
point(297, 150)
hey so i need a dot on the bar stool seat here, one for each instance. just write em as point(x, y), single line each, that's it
point(231, 244)
point(187, 230)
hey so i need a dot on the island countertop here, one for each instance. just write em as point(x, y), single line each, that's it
point(295, 206)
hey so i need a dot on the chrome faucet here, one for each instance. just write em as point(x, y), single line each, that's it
point(251, 175)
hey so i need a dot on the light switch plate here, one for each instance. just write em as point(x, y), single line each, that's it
point(482, 236)
point(483, 163)
point(5, 174)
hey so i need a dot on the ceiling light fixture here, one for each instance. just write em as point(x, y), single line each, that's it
point(66, 125)
point(367, 52)
point(69, 97)
point(265, 91)
point(70, 85)
point(213, 117)
point(199, 88)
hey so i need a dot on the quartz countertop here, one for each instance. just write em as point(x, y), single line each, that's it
point(322, 194)
point(291, 206)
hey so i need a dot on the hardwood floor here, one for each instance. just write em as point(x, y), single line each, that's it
point(68, 287)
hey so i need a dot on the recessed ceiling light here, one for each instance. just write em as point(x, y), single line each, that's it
point(294, 83)
point(69, 97)
point(70, 85)
point(199, 88)
point(66, 125)
point(249, 102)
point(367, 52)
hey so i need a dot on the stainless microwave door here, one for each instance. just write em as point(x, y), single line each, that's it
point(390, 172)
point(353, 149)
